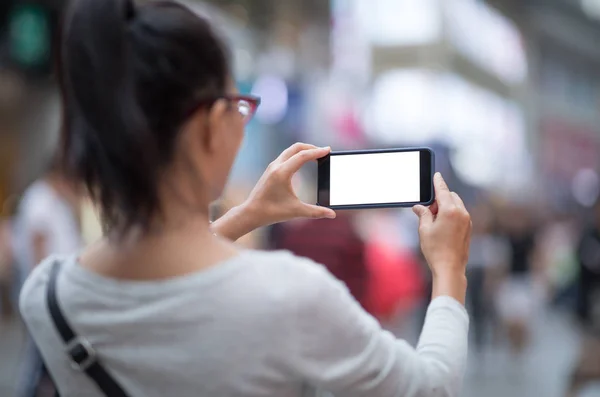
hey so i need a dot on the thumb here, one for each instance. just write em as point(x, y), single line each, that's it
point(318, 212)
point(424, 214)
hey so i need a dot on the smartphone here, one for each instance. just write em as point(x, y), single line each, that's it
point(376, 178)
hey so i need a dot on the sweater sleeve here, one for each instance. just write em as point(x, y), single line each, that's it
point(340, 348)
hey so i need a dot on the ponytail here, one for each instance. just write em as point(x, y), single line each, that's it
point(122, 107)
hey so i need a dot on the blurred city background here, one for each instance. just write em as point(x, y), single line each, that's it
point(507, 93)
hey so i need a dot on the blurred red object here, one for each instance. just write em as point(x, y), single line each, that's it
point(332, 242)
point(396, 283)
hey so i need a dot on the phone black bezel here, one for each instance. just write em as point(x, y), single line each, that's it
point(427, 166)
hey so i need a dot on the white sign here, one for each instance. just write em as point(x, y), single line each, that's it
point(412, 107)
point(401, 22)
point(487, 38)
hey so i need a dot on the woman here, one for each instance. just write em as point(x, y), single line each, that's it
point(165, 302)
point(521, 289)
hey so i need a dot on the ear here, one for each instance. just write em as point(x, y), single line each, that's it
point(216, 122)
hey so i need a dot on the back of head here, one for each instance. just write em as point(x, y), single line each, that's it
point(130, 77)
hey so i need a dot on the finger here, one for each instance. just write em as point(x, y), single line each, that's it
point(458, 201)
point(434, 208)
point(318, 212)
point(292, 150)
point(424, 214)
point(442, 193)
point(296, 162)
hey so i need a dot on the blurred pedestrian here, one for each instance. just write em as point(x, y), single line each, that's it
point(165, 304)
point(46, 223)
point(558, 242)
point(488, 252)
point(587, 368)
point(520, 292)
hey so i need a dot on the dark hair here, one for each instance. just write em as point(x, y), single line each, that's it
point(130, 76)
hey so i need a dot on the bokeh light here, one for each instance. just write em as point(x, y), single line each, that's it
point(274, 93)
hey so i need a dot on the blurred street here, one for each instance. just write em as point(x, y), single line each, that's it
point(11, 344)
point(541, 371)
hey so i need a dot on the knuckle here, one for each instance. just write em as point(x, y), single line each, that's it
point(453, 212)
point(303, 155)
point(276, 170)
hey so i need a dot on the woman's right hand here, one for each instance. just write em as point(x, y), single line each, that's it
point(445, 232)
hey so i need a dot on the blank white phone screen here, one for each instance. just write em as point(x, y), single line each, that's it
point(375, 178)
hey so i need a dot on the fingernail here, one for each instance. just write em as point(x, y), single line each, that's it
point(326, 148)
point(331, 215)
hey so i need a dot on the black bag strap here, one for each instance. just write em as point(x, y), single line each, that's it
point(82, 354)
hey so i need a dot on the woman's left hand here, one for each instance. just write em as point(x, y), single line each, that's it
point(273, 198)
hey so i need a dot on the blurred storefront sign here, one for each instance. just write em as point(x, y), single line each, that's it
point(567, 75)
point(569, 157)
point(567, 148)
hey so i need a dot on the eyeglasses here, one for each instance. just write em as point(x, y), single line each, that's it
point(246, 105)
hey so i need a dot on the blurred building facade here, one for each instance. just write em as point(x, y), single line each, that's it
point(448, 74)
point(512, 99)
point(568, 97)
point(564, 95)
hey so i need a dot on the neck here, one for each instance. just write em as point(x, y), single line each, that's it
point(169, 222)
point(169, 251)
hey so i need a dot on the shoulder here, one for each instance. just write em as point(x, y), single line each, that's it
point(33, 294)
point(288, 267)
point(308, 294)
point(297, 278)
point(303, 289)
